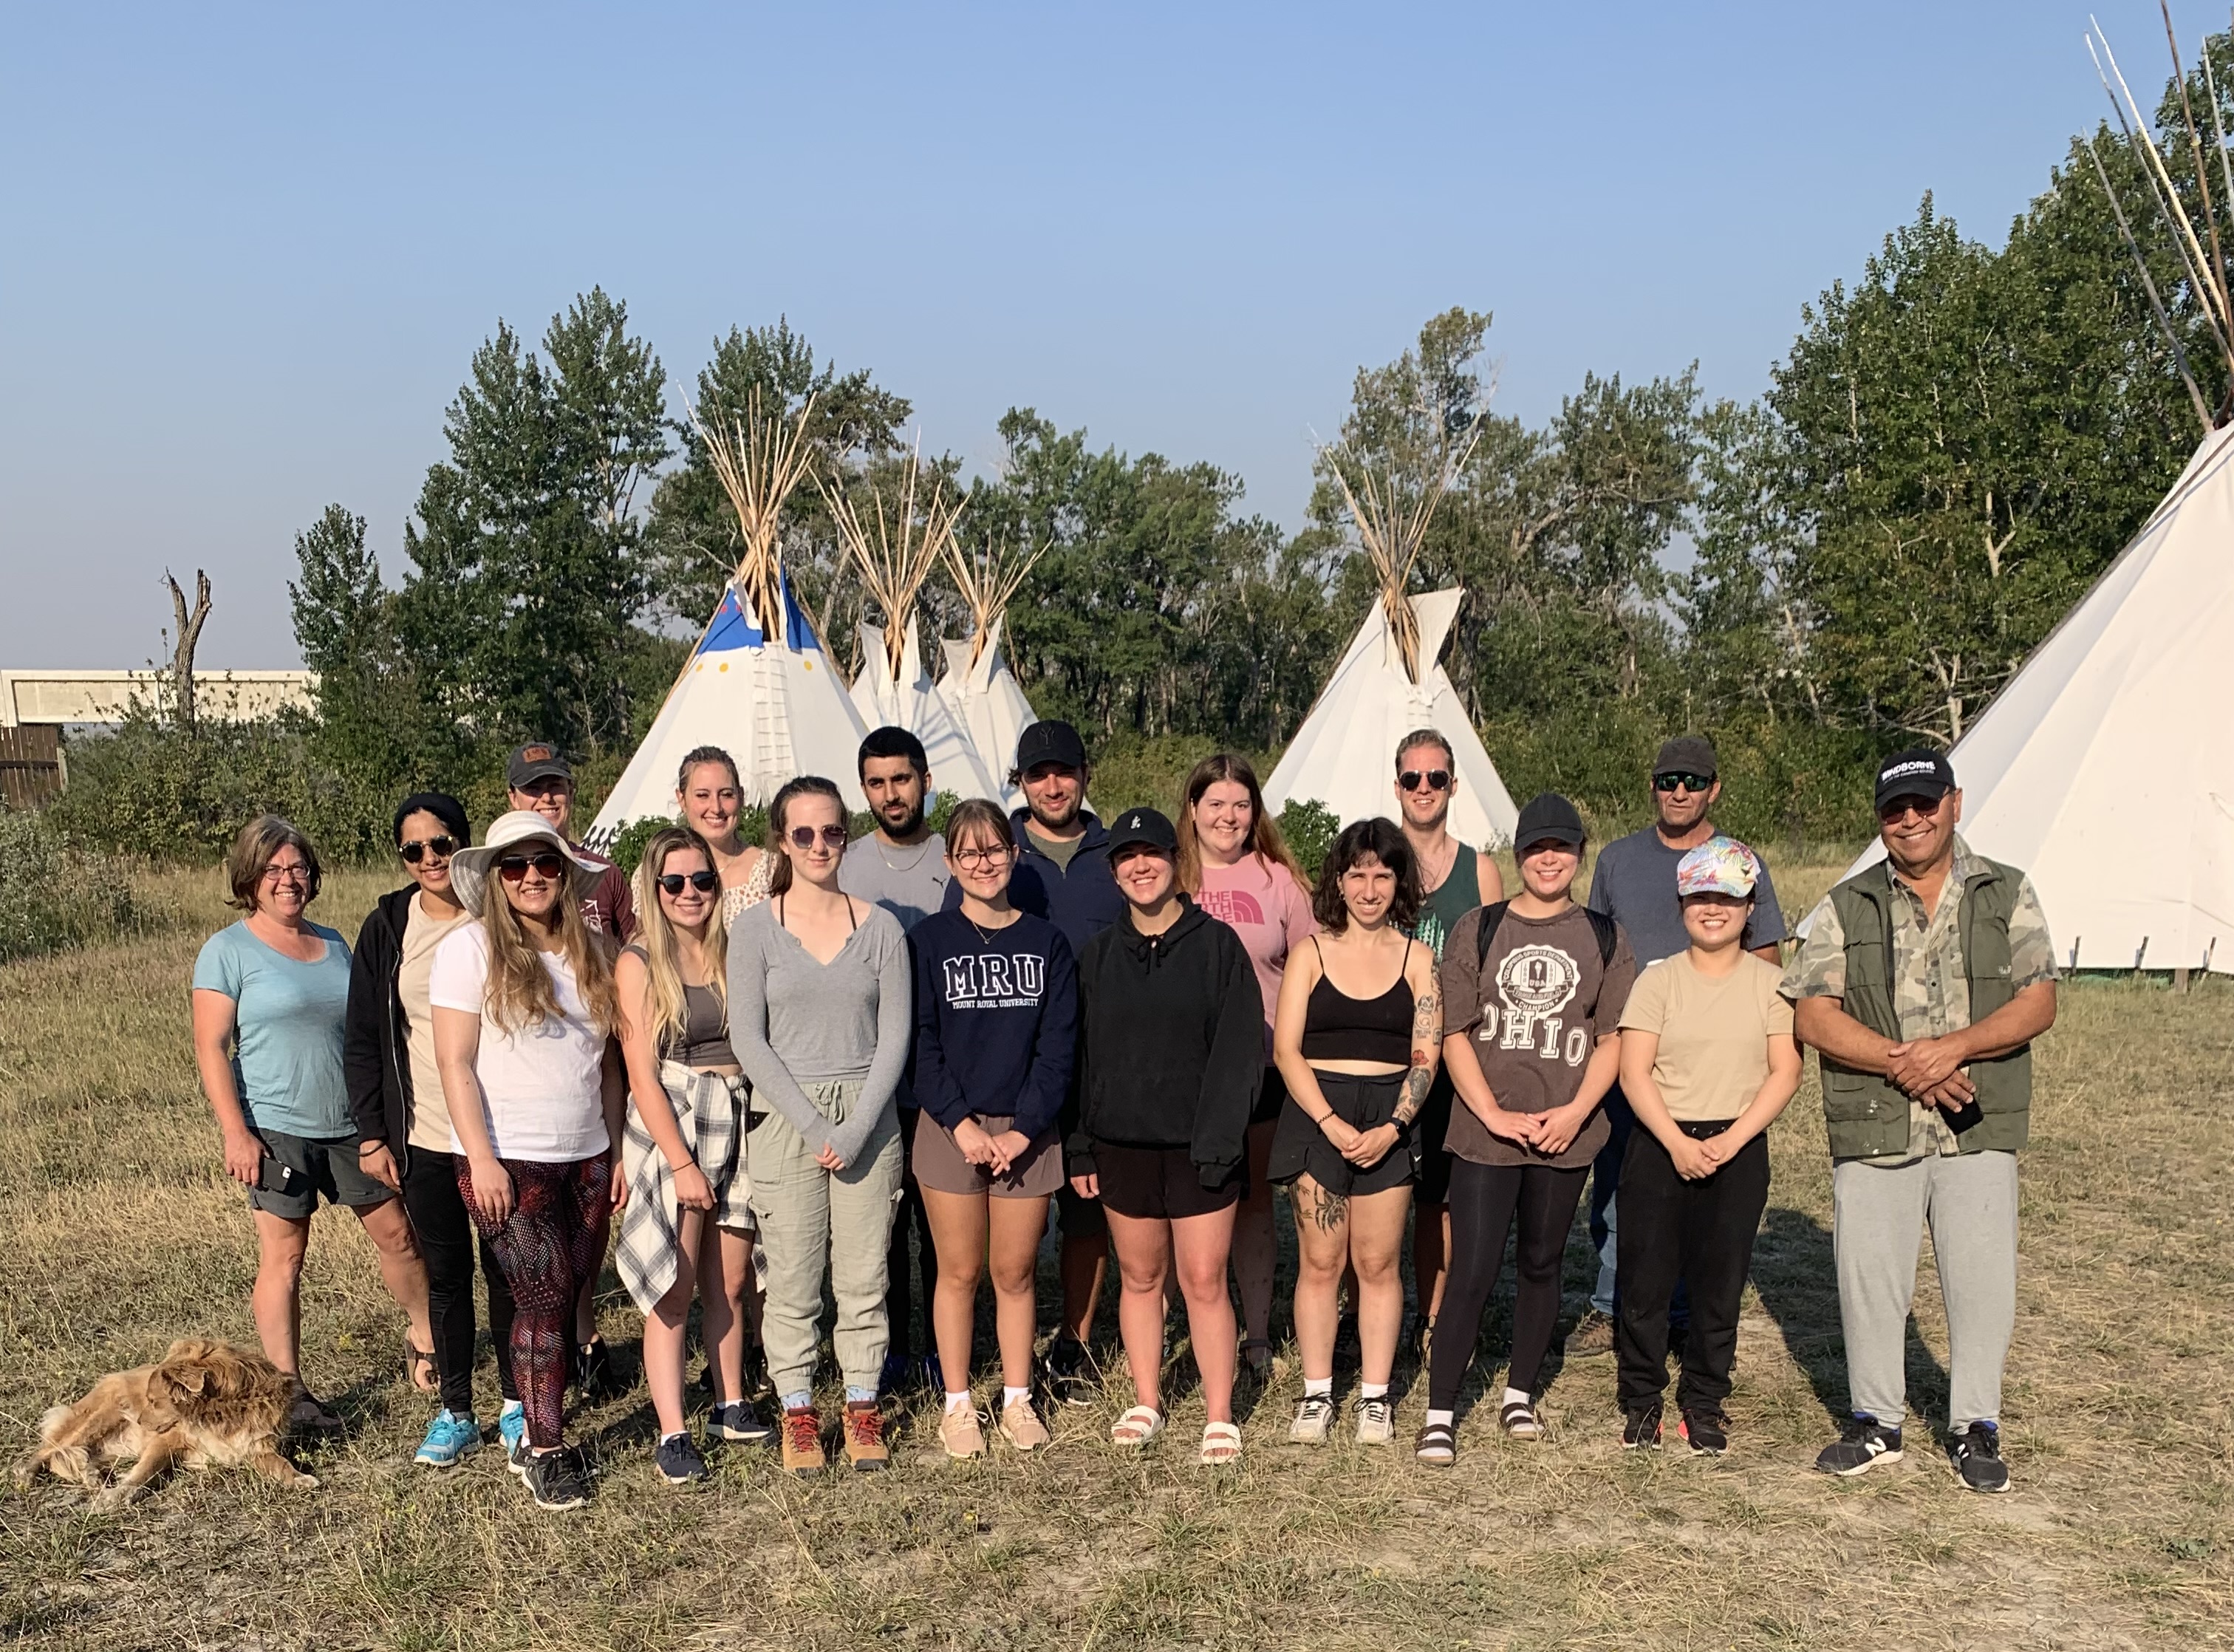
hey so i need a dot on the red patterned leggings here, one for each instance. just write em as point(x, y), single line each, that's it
point(553, 1241)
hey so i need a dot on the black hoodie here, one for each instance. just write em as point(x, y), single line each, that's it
point(1170, 1042)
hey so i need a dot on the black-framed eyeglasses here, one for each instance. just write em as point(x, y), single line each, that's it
point(1436, 780)
point(419, 848)
point(549, 864)
point(992, 855)
point(704, 882)
point(803, 837)
point(1680, 782)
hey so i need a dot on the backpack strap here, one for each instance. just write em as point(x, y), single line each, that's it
point(1608, 936)
point(1607, 933)
point(1492, 918)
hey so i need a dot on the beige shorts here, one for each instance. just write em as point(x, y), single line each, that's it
point(939, 1165)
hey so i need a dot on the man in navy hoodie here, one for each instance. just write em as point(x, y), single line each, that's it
point(1063, 875)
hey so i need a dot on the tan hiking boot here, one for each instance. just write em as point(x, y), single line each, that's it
point(1591, 1337)
point(802, 1441)
point(959, 1433)
point(1022, 1428)
point(865, 1437)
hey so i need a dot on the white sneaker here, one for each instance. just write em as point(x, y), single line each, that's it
point(1313, 1417)
point(1376, 1421)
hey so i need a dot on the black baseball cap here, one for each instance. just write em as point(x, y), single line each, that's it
point(1051, 741)
point(1686, 755)
point(1918, 772)
point(1548, 818)
point(1140, 826)
point(538, 760)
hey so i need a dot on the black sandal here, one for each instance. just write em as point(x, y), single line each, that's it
point(1436, 1445)
point(1520, 1421)
point(413, 1359)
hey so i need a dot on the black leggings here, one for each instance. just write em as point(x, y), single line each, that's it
point(553, 1241)
point(446, 1240)
point(1484, 1200)
point(899, 1300)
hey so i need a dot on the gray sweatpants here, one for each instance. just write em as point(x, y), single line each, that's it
point(1970, 1200)
point(812, 1219)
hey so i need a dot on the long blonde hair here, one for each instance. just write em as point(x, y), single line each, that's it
point(656, 935)
point(520, 990)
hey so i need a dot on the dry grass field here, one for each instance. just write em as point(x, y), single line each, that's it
point(121, 1232)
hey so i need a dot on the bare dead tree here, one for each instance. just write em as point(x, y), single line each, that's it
point(188, 634)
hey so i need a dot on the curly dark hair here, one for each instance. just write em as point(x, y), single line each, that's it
point(1375, 839)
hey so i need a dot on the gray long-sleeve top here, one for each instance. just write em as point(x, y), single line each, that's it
point(793, 1022)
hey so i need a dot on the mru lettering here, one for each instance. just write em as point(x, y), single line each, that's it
point(995, 981)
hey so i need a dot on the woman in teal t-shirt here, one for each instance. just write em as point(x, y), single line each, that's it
point(270, 996)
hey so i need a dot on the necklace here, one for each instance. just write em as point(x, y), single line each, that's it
point(877, 838)
point(1443, 876)
point(985, 936)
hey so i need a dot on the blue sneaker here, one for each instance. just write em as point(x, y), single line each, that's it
point(449, 1437)
point(511, 1428)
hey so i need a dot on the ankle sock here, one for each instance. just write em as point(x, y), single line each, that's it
point(679, 1434)
point(957, 1402)
point(798, 1402)
point(1516, 1396)
point(859, 1396)
point(1010, 1396)
point(1446, 1418)
point(1373, 1390)
point(1318, 1387)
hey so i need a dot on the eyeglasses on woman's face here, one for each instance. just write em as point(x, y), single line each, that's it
point(1436, 780)
point(290, 872)
point(704, 882)
point(442, 848)
point(549, 864)
point(987, 854)
point(804, 837)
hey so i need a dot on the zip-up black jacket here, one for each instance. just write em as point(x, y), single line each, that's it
point(1170, 1042)
point(375, 1051)
point(1082, 902)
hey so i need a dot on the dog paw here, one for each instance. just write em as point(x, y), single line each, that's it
point(306, 1482)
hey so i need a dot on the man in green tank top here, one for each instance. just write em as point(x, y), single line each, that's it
point(1455, 879)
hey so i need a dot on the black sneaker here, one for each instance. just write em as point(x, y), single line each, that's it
point(1706, 1433)
point(1865, 1444)
point(678, 1461)
point(557, 1479)
point(739, 1424)
point(1976, 1454)
point(1069, 1374)
point(594, 1378)
point(1640, 1430)
point(760, 1388)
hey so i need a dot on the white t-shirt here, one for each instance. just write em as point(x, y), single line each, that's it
point(542, 1087)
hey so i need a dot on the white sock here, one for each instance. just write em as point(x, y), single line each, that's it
point(1516, 1397)
point(957, 1401)
point(1446, 1418)
point(1373, 1390)
point(1322, 1387)
point(677, 1434)
point(1012, 1397)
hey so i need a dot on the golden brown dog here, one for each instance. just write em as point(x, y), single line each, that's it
point(204, 1405)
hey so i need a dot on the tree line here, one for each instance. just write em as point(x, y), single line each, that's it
point(1956, 444)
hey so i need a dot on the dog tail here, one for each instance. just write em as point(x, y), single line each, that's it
point(50, 1424)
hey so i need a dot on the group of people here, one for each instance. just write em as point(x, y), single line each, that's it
point(771, 1068)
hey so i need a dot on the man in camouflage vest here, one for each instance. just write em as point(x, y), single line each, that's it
point(1922, 981)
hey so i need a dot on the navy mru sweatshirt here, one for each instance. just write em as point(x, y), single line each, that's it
point(996, 1021)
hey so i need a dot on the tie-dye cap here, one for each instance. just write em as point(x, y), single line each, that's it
point(1718, 866)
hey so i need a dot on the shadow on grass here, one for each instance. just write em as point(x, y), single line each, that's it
point(1796, 1274)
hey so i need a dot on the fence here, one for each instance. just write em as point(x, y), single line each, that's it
point(31, 765)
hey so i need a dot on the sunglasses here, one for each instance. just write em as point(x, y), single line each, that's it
point(549, 864)
point(1895, 810)
point(804, 837)
point(1436, 780)
point(1680, 782)
point(418, 849)
point(704, 882)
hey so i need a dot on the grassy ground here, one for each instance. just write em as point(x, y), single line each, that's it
point(122, 1233)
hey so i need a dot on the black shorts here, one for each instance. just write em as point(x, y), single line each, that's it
point(1363, 1102)
point(1429, 1130)
point(1270, 1098)
point(1076, 1216)
point(1161, 1184)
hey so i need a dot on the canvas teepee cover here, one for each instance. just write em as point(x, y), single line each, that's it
point(979, 689)
point(759, 684)
point(1344, 756)
point(908, 700)
point(2105, 768)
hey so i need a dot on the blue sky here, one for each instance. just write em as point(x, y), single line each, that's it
point(244, 256)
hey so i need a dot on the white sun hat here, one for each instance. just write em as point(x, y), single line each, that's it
point(469, 868)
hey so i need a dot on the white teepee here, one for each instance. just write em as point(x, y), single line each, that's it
point(1344, 756)
point(978, 688)
point(758, 684)
point(908, 700)
point(2104, 769)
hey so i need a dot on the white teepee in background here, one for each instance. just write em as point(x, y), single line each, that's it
point(758, 684)
point(978, 688)
point(2104, 769)
point(1387, 682)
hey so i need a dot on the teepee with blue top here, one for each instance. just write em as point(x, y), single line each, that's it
point(759, 684)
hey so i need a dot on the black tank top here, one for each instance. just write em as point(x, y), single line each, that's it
point(1338, 1028)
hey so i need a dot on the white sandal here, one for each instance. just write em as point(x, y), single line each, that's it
point(1221, 1445)
point(1137, 1427)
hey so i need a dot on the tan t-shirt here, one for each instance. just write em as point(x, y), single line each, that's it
point(430, 1117)
point(1713, 1054)
point(1535, 1007)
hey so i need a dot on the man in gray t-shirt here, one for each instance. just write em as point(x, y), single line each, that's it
point(1634, 883)
point(902, 867)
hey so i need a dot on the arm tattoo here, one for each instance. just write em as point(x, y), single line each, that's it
point(1427, 1038)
